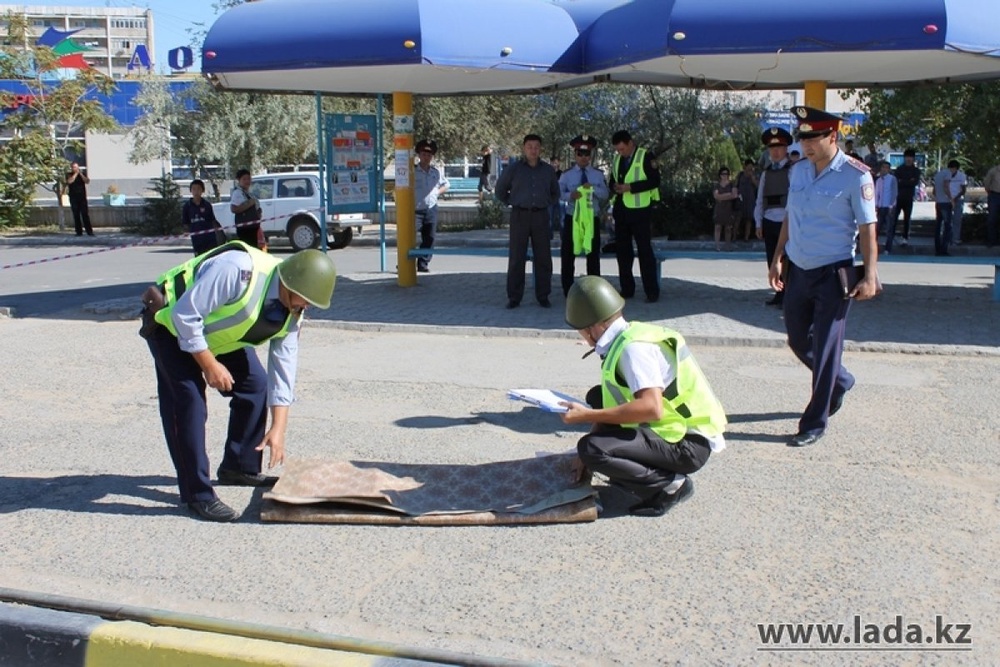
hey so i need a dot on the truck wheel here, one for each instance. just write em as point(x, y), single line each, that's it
point(303, 233)
point(342, 238)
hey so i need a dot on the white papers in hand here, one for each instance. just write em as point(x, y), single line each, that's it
point(546, 399)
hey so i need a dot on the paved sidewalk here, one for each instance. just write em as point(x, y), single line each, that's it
point(925, 308)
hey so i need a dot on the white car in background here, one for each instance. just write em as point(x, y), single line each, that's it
point(290, 207)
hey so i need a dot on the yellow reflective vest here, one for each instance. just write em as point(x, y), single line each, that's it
point(636, 172)
point(233, 325)
point(688, 403)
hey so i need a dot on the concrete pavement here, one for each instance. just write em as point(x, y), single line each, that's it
point(891, 516)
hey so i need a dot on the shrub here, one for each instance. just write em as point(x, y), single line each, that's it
point(683, 215)
point(161, 214)
point(490, 214)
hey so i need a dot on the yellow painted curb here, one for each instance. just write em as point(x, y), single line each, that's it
point(127, 643)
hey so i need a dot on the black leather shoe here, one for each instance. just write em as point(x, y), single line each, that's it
point(775, 300)
point(836, 403)
point(544, 303)
point(663, 501)
point(805, 439)
point(652, 299)
point(214, 510)
point(512, 304)
point(237, 478)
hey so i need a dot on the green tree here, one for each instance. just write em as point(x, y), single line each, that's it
point(54, 113)
point(151, 133)
point(955, 121)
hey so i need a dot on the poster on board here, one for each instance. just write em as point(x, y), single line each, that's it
point(352, 178)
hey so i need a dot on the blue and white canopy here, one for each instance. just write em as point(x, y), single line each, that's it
point(441, 47)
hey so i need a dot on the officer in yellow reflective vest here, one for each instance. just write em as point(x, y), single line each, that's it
point(635, 185)
point(655, 418)
point(201, 321)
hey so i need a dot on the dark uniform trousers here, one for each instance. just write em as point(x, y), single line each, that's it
point(635, 223)
point(637, 459)
point(815, 314)
point(183, 411)
point(529, 225)
point(568, 259)
point(426, 220)
point(771, 231)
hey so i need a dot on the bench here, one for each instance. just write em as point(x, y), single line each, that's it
point(462, 187)
point(663, 254)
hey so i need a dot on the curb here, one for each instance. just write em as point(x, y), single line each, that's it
point(128, 309)
point(67, 632)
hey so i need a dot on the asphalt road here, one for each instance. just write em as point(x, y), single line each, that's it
point(893, 514)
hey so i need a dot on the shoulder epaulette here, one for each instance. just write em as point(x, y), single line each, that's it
point(858, 164)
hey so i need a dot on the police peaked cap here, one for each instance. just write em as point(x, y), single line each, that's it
point(776, 136)
point(814, 122)
point(425, 144)
point(584, 141)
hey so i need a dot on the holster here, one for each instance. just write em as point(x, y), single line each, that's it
point(153, 302)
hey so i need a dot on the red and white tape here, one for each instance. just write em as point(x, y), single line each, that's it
point(143, 242)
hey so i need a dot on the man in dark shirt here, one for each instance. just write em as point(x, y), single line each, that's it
point(908, 180)
point(529, 187)
point(199, 220)
point(634, 185)
point(484, 172)
point(76, 189)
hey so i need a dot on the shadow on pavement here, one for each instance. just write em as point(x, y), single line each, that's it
point(68, 304)
point(526, 420)
point(98, 493)
point(909, 314)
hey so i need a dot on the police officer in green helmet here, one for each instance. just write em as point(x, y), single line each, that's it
point(201, 321)
point(655, 420)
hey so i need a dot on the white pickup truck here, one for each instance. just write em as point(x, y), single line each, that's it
point(290, 207)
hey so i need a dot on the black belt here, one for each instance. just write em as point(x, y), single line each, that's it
point(531, 209)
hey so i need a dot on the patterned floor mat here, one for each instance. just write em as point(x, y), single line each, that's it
point(537, 490)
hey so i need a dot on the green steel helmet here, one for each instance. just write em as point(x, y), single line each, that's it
point(591, 299)
point(310, 274)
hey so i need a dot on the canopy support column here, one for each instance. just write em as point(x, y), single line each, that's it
point(406, 233)
point(816, 94)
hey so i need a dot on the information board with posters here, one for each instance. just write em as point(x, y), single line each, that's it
point(351, 166)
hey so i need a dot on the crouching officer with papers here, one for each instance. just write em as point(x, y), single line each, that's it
point(201, 321)
point(655, 419)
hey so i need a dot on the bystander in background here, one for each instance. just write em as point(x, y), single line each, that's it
point(76, 189)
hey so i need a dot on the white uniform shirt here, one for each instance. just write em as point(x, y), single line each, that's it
point(644, 367)
point(222, 280)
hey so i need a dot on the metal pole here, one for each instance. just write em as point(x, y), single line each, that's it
point(380, 180)
point(320, 157)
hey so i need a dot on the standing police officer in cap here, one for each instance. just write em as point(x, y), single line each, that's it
point(201, 321)
point(831, 205)
point(655, 419)
point(772, 193)
point(428, 184)
point(583, 189)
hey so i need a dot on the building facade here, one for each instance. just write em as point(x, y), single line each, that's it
point(107, 37)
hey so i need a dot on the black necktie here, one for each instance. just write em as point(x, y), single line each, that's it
point(583, 177)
